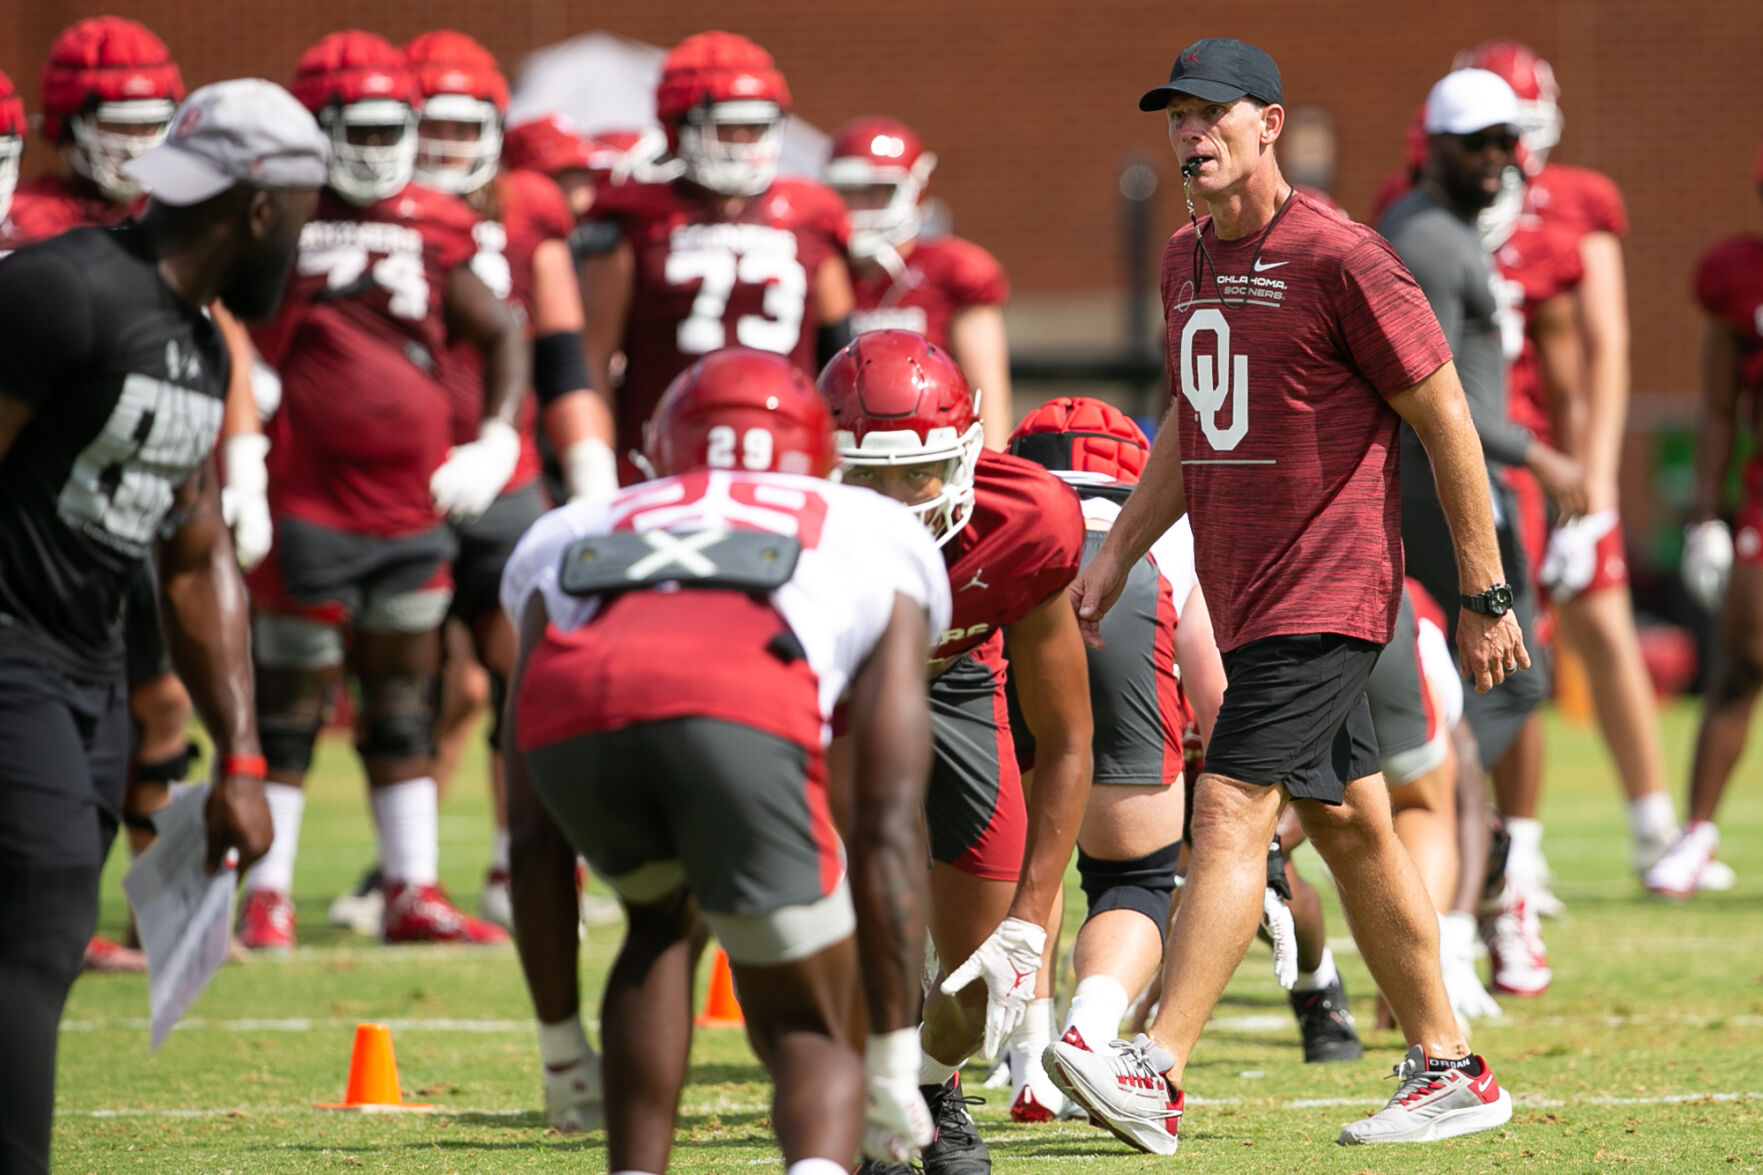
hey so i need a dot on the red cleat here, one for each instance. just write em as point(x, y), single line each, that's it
point(422, 913)
point(112, 958)
point(267, 921)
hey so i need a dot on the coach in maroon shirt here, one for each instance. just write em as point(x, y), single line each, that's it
point(1297, 343)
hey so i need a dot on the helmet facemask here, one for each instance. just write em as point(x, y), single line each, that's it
point(876, 226)
point(732, 168)
point(364, 173)
point(464, 164)
point(952, 508)
point(98, 151)
point(1539, 130)
point(11, 150)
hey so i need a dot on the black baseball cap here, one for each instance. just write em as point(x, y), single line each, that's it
point(1218, 69)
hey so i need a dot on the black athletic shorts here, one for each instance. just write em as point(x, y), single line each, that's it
point(143, 641)
point(484, 546)
point(63, 759)
point(1294, 713)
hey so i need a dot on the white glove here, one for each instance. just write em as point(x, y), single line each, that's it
point(1276, 920)
point(897, 1123)
point(1571, 558)
point(590, 471)
point(244, 502)
point(1707, 561)
point(1469, 999)
point(1008, 962)
point(473, 474)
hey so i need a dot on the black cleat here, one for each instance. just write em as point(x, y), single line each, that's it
point(956, 1149)
point(1326, 1024)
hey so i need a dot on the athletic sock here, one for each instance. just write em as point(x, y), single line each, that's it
point(1651, 818)
point(1035, 1033)
point(499, 851)
point(1526, 834)
point(930, 1070)
point(1096, 1009)
point(1470, 1066)
point(564, 1043)
point(275, 871)
point(817, 1167)
point(409, 826)
point(1322, 977)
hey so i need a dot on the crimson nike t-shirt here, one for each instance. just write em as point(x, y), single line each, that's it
point(1289, 450)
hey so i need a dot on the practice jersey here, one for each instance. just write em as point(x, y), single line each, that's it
point(48, 206)
point(126, 383)
point(364, 420)
point(703, 283)
point(1578, 199)
point(1539, 261)
point(1023, 542)
point(942, 277)
point(530, 210)
point(858, 551)
point(1289, 451)
point(1729, 287)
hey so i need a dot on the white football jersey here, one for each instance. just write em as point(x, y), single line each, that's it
point(1173, 552)
point(859, 549)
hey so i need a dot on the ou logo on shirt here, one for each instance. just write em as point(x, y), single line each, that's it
point(1209, 381)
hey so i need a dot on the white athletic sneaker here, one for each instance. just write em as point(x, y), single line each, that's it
point(1429, 1105)
point(1122, 1087)
point(1679, 873)
point(1469, 999)
point(575, 1101)
point(1515, 945)
point(363, 908)
point(1532, 876)
point(496, 904)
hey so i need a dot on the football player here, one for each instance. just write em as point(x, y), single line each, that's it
point(948, 289)
point(523, 256)
point(1012, 539)
point(363, 472)
point(1584, 565)
point(727, 253)
point(682, 648)
point(1718, 561)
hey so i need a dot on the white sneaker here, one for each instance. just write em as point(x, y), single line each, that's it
point(1533, 876)
point(1515, 945)
point(1122, 1087)
point(1679, 873)
point(1469, 999)
point(362, 909)
point(998, 1076)
point(1647, 850)
point(1033, 1096)
point(1430, 1105)
point(575, 1101)
point(496, 903)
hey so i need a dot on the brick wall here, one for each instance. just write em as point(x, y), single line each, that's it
point(1031, 105)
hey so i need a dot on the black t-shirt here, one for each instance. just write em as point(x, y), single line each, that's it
point(127, 385)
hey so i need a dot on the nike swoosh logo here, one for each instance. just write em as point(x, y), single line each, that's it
point(1482, 1085)
point(1264, 266)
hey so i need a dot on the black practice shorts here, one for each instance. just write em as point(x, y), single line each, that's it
point(484, 546)
point(1294, 713)
point(143, 641)
point(63, 759)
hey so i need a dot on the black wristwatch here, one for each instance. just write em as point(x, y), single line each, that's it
point(1496, 601)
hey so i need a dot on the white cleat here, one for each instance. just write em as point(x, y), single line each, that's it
point(1684, 868)
point(575, 1101)
point(363, 908)
point(1430, 1105)
point(496, 904)
point(1515, 945)
point(1033, 1096)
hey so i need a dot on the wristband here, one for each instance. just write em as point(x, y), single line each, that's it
point(251, 766)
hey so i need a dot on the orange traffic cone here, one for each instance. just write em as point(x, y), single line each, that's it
point(373, 1074)
point(721, 1008)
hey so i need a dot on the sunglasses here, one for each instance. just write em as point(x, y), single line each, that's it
point(1482, 140)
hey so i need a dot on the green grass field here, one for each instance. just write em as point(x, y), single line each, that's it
point(1646, 1054)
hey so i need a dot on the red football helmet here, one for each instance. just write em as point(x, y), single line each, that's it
point(880, 167)
point(898, 400)
point(105, 73)
point(711, 84)
point(616, 157)
point(1531, 78)
point(549, 143)
point(360, 86)
point(740, 409)
point(461, 85)
point(12, 131)
point(1077, 434)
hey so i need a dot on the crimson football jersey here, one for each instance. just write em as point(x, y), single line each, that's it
point(1023, 542)
point(1539, 261)
point(530, 211)
point(1289, 451)
point(943, 276)
point(364, 420)
point(1584, 200)
point(703, 283)
point(47, 207)
point(1729, 286)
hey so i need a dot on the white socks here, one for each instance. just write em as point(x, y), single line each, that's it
point(499, 851)
point(1320, 978)
point(1651, 818)
point(1035, 1032)
point(276, 869)
point(1096, 1009)
point(930, 1070)
point(563, 1044)
point(1526, 834)
point(409, 823)
point(817, 1167)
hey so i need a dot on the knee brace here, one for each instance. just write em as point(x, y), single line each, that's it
point(398, 717)
point(1144, 884)
point(1736, 676)
point(1276, 870)
point(171, 769)
point(290, 709)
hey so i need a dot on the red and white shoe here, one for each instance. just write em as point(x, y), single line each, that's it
point(1678, 871)
point(422, 913)
point(1430, 1104)
point(496, 903)
point(112, 958)
point(1515, 945)
point(1123, 1088)
point(267, 921)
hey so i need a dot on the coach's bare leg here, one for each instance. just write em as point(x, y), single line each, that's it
point(1600, 626)
point(964, 910)
point(646, 1031)
point(796, 1016)
point(1388, 911)
point(1233, 824)
point(1732, 692)
point(1425, 817)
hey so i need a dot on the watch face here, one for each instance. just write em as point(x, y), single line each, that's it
point(1502, 599)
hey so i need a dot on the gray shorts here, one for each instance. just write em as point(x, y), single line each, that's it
point(973, 803)
point(484, 546)
point(737, 815)
point(1410, 732)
